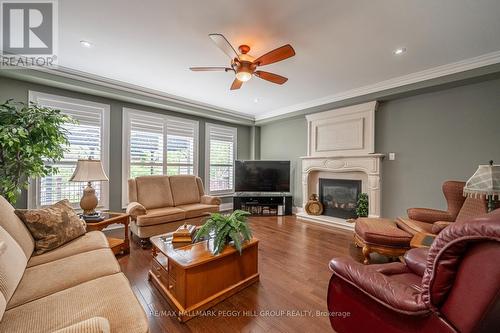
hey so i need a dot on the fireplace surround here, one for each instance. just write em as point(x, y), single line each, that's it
point(341, 146)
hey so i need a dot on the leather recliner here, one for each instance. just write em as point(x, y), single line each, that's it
point(454, 287)
point(433, 221)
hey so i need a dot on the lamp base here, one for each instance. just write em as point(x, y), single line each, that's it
point(89, 201)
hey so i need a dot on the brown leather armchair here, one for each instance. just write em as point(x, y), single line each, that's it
point(433, 221)
point(442, 293)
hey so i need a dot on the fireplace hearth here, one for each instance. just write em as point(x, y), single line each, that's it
point(339, 197)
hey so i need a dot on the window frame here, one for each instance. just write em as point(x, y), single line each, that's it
point(126, 129)
point(75, 104)
point(208, 128)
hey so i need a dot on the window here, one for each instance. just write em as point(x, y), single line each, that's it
point(220, 155)
point(155, 144)
point(88, 138)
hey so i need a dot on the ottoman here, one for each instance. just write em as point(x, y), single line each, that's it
point(382, 236)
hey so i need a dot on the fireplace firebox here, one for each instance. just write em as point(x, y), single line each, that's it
point(339, 197)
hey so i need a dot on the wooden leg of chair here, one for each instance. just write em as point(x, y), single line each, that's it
point(366, 254)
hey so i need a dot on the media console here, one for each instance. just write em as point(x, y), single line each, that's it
point(264, 205)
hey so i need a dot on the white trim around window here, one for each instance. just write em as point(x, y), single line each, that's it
point(163, 134)
point(219, 170)
point(95, 115)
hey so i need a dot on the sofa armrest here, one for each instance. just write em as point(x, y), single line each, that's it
point(438, 226)
point(416, 260)
point(135, 209)
point(210, 200)
point(429, 215)
point(92, 325)
point(393, 294)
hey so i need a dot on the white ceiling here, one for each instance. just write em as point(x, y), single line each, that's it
point(341, 45)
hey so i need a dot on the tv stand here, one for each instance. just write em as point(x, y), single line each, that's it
point(272, 204)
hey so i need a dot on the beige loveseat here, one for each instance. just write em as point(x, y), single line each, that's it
point(77, 287)
point(160, 204)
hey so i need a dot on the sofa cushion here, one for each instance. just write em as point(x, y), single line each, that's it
point(12, 265)
point(52, 226)
point(92, 325)
point(161, 215)
point(154, 191)
point(184, 189)
point(162, 228)
point(379, 231)
point(413, 226)
point(110, 297)
point(198, 209)
point(42, 280)
point(15, 227)
point(92, 240)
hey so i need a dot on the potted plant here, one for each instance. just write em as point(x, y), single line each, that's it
point(30, 136)
point(226, 228)
point(362, 205)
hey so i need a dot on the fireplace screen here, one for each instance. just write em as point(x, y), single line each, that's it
point(339, 197)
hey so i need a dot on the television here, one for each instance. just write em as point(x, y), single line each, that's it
point(262, 176)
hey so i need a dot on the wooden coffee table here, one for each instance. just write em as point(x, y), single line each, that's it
point(192, 279)
point(117, 245)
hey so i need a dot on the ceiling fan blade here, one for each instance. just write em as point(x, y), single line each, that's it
point(271, 77)
point(281, 53)
point(236, 84)
point(223, 44)
point(210, 69)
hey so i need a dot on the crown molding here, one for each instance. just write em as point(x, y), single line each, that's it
point(427, 74)
point(66, 78)
point(63, 77)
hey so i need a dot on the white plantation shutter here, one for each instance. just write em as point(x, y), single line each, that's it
point(156, 144)
point(145, 145)
point(87, 138)
point(221, 153)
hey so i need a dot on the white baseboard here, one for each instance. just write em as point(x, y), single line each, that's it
point(297, 210)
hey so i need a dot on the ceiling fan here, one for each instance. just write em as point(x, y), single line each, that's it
point(244, 65)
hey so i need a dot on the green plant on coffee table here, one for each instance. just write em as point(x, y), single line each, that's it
point(226, 228)
point(30, 136)
point(362, 205)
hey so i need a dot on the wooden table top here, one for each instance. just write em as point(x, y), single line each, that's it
point(191, 255)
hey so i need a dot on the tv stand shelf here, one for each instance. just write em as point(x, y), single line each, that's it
point(264, 205)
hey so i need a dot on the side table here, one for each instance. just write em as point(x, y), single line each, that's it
point(117, 245)
point(422, 239)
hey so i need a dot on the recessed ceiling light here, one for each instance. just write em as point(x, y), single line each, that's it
point(85, 43)
point(256, 100)
point(399, 51)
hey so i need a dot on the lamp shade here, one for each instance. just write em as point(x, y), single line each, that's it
point(88, 170)
point(484, 182)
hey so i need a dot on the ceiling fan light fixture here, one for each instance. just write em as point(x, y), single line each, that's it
point(243, 76)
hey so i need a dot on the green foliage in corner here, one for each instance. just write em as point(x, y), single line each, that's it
point(225, 228)
point(362, 205)
point(30, 136)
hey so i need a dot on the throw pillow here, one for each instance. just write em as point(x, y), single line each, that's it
point(52, 226)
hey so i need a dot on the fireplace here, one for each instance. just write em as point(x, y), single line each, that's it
point(339, 197)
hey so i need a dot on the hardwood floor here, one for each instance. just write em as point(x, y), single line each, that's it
point(294, 275)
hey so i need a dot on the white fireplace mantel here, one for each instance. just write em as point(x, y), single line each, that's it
point(341, 145)
point(367, 164)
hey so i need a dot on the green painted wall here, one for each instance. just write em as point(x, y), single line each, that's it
point(286, 140)
point(436, 136)
point(18, 90)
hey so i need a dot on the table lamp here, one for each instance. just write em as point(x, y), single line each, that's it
point(484, 182)
point(87, 171)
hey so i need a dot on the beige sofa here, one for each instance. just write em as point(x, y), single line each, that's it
point(77, 287)
point(160, 204)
